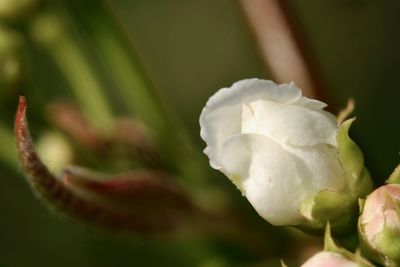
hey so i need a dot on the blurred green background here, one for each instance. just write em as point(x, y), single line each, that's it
point(190, 49)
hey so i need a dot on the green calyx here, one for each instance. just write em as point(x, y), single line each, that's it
point(389, 243)
point(350, 156)
point(328, 206)
point(340, 208)
point(385, 250)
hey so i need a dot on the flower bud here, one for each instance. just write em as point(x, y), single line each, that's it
point(334, 256)
point(286, 154)
point(329, 259)
point(379, 225)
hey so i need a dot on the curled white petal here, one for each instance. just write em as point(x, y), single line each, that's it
point(262, 170)
point(319, 167)
point(291, 124)
point(310, 103)
point(221, 117)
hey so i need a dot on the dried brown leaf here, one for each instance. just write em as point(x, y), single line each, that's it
point(141, 202)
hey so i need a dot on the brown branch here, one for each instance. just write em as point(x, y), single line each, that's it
point(281, 46)
point(141, 202)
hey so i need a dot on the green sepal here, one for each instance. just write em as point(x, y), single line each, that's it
point(352, 159)
point(330, 246)
point(340, 207)
point(394, 178)
point(283, 264)
point(390, 246)
point(345, 113)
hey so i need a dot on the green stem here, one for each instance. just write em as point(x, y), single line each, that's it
point(126, 72)
point(140, 99)
point(137, 92)
point(50, 31)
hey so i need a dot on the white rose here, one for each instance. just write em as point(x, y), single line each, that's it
point(278, 147)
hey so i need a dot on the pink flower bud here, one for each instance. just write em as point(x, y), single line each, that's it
point(380, 211)
point(329, 259)
point(379, 225)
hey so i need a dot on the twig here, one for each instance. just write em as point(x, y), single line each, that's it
point(282, 49)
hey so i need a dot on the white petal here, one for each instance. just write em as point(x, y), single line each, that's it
point(266, 174)
point(295, 125)
point(249, 122)
point(221, 117)
point(319, 167)
point(310, 103)
point(267, 90)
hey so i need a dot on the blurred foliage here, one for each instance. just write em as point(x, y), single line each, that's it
point(189, 49)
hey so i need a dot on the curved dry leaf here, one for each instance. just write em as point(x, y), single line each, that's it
point(142, 202)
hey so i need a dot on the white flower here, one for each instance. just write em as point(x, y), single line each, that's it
point(278, 147)
point(329, 259)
